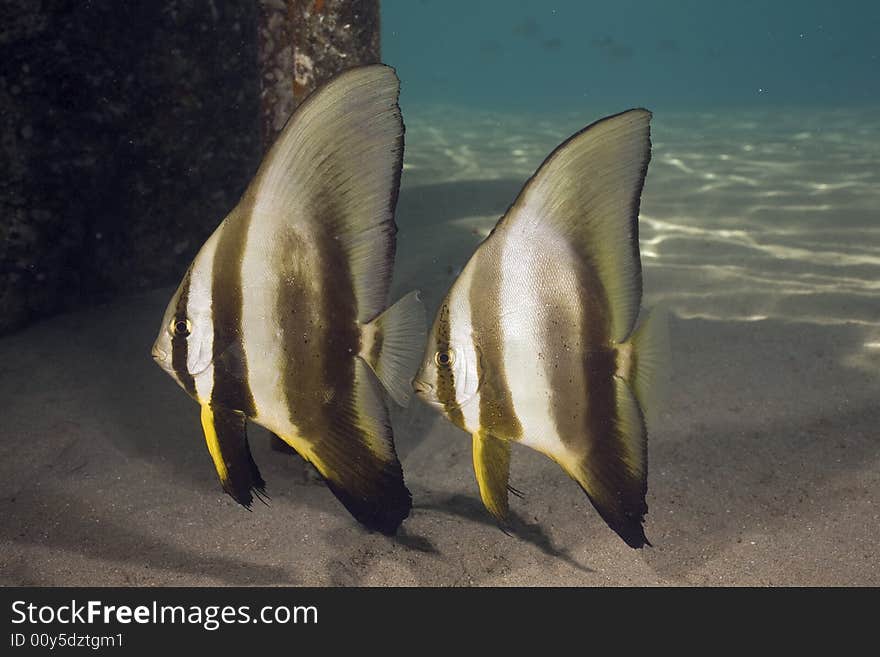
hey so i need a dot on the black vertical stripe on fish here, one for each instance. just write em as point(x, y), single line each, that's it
point(617, 493)
point(320, 330)
point(445, 372)
point(179, 342)
point(572, 332)
point(497, 413)
point(231, 389)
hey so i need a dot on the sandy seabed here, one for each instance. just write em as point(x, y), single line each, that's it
point(760, 231)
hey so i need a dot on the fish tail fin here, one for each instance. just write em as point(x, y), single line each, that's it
point(393, 344)
point(613, 472)
point(226, 436)
point(648, 361)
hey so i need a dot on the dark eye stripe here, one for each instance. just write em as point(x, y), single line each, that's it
point(445, 376)
point(179, 343)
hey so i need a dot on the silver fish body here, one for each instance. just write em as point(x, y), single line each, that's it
point(281, 318)
point(535, 342)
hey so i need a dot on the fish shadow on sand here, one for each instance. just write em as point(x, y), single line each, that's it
point(414, 542)
point(365, 561)
point(470, 508)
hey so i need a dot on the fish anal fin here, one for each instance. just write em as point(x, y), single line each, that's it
point(492, 468)
point(278, 444)
point(392, 345)
point(356, 457)
point(226, 438)
point(613, 471)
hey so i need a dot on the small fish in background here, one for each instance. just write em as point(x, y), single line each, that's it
point(527, 28)
point(490, 49)
point(281, 318)
point(612, 49)
point(536, 341)
point(668, 46)
point(552, 44)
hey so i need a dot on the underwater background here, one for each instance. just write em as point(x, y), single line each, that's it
point(760, 232)
point(680, 55)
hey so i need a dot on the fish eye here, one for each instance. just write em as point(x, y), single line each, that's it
point(181, 327)
point(444, 358)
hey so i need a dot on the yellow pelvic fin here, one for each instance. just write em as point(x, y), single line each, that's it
point(492, 467)
point(226, 437)
point(214, 444)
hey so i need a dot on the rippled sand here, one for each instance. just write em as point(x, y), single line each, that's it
point(759, 231)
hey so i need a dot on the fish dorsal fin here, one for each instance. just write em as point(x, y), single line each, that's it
point(587, 192)
point(334, 172)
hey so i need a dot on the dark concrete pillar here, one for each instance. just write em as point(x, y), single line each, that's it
point(127, 129)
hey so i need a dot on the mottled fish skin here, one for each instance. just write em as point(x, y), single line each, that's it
point(284, 303)
point(525, 345)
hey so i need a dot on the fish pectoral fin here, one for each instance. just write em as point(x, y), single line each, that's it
point(356, 457)
point(648, 362)
point(393, 344)
point(492, 467)
point(226, 436)
point(613, 471)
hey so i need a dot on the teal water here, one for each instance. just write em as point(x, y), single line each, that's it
point(682, 54)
